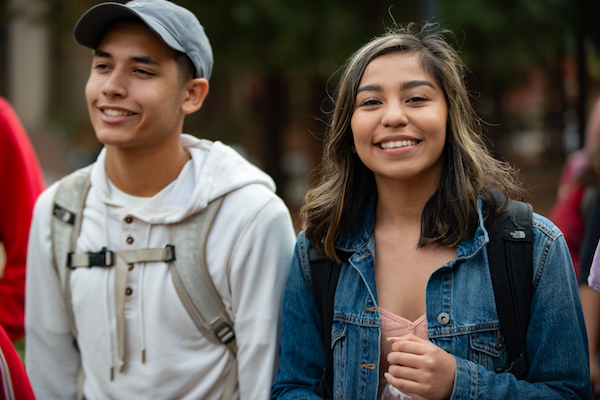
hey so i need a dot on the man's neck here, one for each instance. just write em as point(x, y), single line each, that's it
point(144, 172)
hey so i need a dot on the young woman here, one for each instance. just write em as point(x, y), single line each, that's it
point(401, 204)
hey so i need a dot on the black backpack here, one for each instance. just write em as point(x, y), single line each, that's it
point(510, 254)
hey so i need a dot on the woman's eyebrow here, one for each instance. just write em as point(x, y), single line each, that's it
point(405, 86)
point(415, 83)
point(370, 88)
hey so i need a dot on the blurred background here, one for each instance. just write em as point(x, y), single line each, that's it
point(534, 72)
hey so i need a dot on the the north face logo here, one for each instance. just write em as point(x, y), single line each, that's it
point(517, 234)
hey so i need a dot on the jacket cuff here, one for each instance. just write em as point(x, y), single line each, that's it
point(465, 380)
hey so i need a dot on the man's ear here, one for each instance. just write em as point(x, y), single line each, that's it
point(193, 94)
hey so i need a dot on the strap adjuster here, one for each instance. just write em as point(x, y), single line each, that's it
point(103, 258)
point(170, 253)
point(225, 333)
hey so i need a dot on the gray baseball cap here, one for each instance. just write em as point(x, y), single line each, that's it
point(176, 26)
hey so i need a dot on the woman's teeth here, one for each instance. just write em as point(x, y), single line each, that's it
point(398, 143)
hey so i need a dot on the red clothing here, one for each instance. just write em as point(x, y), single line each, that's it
point(22, 182)
point(566, 215)
point(14, 384)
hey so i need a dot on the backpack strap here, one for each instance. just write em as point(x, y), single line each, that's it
point(121, 260)
point(194, 285)
point(325, 274)
point(65, 225)
point(189, 269)
point(196, 289)
point(510, 254)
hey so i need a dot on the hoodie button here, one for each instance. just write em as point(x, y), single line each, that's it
point(129, 219)
point(128, 291)
point(129, 240)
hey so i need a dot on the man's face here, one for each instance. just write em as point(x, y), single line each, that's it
point(133, 93)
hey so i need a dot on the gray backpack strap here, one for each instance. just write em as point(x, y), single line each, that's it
point(194, 284)
point(69, 200)
point(196, 289)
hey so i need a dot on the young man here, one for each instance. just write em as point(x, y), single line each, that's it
point(134, 337)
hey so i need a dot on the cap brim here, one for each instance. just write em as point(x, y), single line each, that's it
point(91, 26)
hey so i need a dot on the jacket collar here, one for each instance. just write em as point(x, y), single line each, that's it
point(360, 231)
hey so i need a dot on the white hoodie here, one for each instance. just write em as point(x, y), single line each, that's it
point(248, 253)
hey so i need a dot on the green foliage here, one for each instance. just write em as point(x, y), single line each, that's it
point(503, 38)
point(309, 38)
point(312, 38)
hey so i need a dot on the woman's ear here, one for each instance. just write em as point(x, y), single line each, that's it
point(193, 94)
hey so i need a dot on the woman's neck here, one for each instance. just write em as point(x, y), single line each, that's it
point(401, 203)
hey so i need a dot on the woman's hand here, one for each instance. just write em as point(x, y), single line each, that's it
point(419, 366)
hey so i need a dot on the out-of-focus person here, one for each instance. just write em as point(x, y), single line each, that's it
point(22, 182)
point(576, 190)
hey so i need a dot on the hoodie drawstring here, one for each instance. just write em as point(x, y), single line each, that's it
point(141, 299)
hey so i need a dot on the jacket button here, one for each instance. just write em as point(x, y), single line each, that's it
point(443, 318)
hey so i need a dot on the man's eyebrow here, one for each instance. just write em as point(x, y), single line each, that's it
point(145, 60)
point(102, 53)
point(139, 59)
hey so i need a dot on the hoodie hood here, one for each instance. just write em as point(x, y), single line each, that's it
point(214, 170)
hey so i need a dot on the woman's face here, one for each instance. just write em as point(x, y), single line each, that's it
point(399, 120)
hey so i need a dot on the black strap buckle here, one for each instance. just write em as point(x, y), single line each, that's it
point(170, 253)
point(225, 333)
point(103, 258)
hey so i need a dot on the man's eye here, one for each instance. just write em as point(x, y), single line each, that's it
point(143, 72)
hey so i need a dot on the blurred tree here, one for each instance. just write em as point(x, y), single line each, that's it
point(274, 59)
point(501, 40)
point(283, 44)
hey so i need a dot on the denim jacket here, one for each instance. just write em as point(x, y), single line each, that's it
point(461, 319)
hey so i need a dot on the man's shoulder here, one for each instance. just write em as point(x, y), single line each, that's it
point(253, 197)
point(47, 198)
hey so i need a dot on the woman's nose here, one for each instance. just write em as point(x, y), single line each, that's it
point(394, 115)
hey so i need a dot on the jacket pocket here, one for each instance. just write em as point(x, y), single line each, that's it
point(487, 349)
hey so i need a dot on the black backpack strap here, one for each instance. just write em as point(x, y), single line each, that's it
point(510, 253)
point(325, 274)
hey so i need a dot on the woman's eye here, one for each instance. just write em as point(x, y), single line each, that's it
point(417, 99)
point(369, 102)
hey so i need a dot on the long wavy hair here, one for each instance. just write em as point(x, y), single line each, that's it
point(346, 185)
